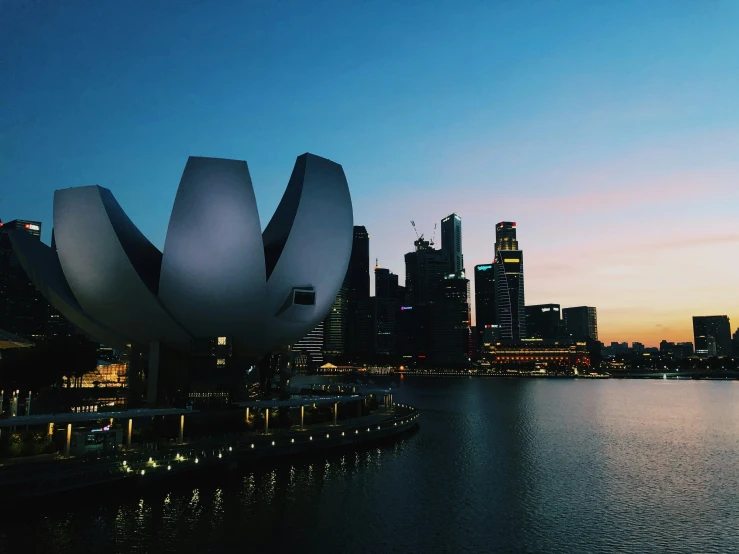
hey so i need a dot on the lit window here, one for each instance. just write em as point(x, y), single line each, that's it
point(221, 341)
point(220, 362)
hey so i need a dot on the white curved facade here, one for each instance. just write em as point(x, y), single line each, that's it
point(219, 275)
point(212, 279)
point(42, 266)
point(312, 212)
point(111, 267)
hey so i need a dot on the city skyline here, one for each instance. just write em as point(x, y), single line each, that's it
point(614, 152)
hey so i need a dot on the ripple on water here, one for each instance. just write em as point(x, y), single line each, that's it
point(498, 466)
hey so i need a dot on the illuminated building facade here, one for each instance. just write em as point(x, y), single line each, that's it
point(505, 236)
point(532, 354)
point(104, 376)
point(312, 345)
point(509, 294)
point(510, 306)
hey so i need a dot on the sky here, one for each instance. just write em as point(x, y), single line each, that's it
point(608, 131)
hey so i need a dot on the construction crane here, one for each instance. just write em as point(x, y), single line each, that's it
point(433, 236)
point(419, 237)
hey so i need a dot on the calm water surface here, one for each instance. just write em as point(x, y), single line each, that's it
point(497, 466)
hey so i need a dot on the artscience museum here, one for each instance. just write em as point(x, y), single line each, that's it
point(220, 288)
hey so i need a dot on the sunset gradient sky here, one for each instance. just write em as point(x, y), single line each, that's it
point(609, 131)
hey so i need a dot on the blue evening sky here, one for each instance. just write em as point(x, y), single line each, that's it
point(599, 120)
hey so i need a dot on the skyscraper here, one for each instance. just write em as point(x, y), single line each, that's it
point(509, 296)
point(335, 326)
point(543, 321)
point(425, 269)
point(484, 300)
point(509, 284)
point(715, 326)
point(312, 344)
point(450, 322)
point(33, 228)
point(580, 323)
point(359, 306)
point(386, 308)
point(505, 236)
point(23, 310)
point(705, 346)
point(451, 242)
point(484, 295)
point(359, 265)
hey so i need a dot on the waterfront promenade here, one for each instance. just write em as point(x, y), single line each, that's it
point(139, 465)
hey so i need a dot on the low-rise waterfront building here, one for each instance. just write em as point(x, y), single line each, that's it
point(533, 354)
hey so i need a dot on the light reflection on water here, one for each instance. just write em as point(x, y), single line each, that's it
point(508, 466)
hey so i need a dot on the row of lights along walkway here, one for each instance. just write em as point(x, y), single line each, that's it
point(193, 457)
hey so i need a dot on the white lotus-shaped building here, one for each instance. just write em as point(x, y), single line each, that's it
point(218, 276)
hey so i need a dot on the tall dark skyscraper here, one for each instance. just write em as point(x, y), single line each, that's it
point(386, 307)
point(484, 295)
point(581, 323)
point(335, 326)
point(359, 306)
point(505, 236)
point(716, 326)
point(425, 269)
point(451, 242)
point(509, 284)
point(23, 310)
point(359, 266)
point(543, 321)
point(450, 322)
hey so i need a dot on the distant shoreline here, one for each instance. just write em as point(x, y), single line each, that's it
point(685, 375)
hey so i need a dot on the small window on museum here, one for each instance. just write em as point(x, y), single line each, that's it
point(221, 362)
point(304, 298)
